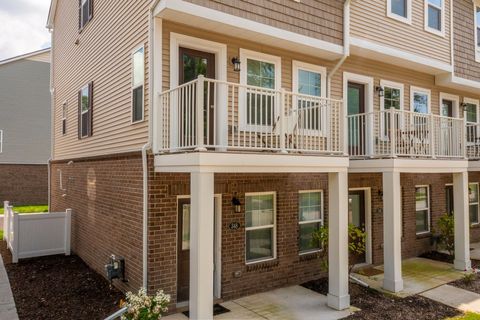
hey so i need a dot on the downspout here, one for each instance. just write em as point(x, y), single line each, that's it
point(346, 45)
point(52, 121)
point(148, 145)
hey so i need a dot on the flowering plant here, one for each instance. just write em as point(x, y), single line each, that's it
point(141, 306)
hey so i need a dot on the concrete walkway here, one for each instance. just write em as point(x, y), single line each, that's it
point(291, 303)
point(7, 304)
point(458, 298)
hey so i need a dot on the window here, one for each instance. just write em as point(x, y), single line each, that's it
point(477, 33)
point(472, 117)
point(310, 218)
point(449, 104)
point(434, 13)
point(309, 81)
point(420, 100)
point(1, 141)
point(85, 13)
point(473, 202)
point(392, 98)
point(422, 209)
point(138, 79)
point(449, 199)
point(64, 118)
point(259, 105)
point(260, 218)
point(85, 109)
point(400, 10)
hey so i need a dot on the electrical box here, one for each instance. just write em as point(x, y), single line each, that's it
point(115, 268)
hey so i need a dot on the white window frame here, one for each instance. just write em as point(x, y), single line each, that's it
point(242, 112)
point(82, 2)
point(451, 97)
point(83, 112)
point(1, 141)
point(475, 203)
point(296, 67)
point(321, 220)
point(440, 32)
point(427, 92)
point(426, 208)
point(64, 118)
point(476, 5)
point(274, 227)
point(475, 102)
point(133, 87)
point(407, 19)
point(393, 85)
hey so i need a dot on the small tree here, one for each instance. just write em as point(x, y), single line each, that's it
point(446, 225)
point(356, 244)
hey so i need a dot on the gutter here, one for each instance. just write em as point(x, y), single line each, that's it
point(346, 45)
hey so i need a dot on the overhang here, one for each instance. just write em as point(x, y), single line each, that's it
point(408, 166)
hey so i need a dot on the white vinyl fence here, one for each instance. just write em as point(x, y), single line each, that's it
point(36, 234)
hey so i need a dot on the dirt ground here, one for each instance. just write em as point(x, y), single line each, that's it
point(60, 288)
point(377, 306)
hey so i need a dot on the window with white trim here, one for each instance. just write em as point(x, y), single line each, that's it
point(472, 116)
point(260, 220)
point(85, 109)
point(473, 202)
point(420, 100)
point(309, 81)
point(64, 118)
point(138, 80)
point(392, 99)
point(477, 32)
point(422, 209)
point(310, 219)
point(400, 10)
point(434, 16)
point(85, 13)
point(262, 71)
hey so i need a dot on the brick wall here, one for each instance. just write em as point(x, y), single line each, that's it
point(288, 268)
point(106, 197)
point(24, 183)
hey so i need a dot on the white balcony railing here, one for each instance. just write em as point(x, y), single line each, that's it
point(473, 140)
point(207, 114)
point(395, 133)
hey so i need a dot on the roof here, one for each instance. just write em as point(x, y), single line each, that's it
point(24, 56)
point(51, 14)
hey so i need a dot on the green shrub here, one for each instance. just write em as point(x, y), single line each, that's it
point(446, 231)
point(469, 277)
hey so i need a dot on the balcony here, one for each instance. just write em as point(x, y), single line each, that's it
point(211, 115)
point(404, 134)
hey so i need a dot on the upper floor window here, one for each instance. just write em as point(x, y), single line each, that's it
point(85, 12)
point(392, 99)
point(85, 109)
point(138, 80)
point(434, 16)
point(1, 141)
point(64, 118)
point(420, 100)
point(400, 10)
point(477, 33)
point(472, 117)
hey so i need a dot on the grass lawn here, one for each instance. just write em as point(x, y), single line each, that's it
point(467, 316)
point(29, 209)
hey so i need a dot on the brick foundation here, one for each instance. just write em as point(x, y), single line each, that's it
point(24, 184)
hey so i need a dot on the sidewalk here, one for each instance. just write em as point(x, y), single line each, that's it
point(7, 304)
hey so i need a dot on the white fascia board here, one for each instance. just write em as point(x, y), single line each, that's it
point(408, 166)
point(379, 52)
point(51, 14)
point(232, 162)
point(24, 56)
point(474, 166)
point(210, 19)
point(451, 81)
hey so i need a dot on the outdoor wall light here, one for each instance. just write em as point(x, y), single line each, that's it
point(464, 106)
point(379, 90)
point(237, 206)
point(236, 64)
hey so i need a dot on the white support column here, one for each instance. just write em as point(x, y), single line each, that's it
point(392, 236)
point(338, 297)
point(462, 221)
point(201, 245)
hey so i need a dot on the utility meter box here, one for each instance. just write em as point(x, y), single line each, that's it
point(115, 268)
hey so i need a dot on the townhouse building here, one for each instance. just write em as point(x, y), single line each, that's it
point(204, 141)
point(25, 128)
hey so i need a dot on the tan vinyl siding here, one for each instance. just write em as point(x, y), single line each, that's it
point(102, 55)
point(321, 19)
point(42, 57)
point(353, 64)
point(464, 40)
point(369, 21)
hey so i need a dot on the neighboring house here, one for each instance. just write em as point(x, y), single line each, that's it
point(25, 128)
point(308, 112)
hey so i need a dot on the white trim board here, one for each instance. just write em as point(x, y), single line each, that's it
point(408, 166)
point(209, 19)
point(451, 81)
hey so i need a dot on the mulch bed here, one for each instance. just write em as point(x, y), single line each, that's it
point(377, 306)
point(473, 285)
point(60, 288)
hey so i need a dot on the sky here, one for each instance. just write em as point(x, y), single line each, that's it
point(23, 27)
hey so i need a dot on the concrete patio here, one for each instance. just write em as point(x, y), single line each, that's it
point(419, 275)
point(290, 303)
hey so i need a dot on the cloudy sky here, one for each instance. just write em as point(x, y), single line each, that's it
point(23, 26)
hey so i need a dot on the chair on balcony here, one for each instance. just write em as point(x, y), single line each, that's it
point(290, 124)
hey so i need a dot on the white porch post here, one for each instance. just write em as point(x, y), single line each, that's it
point(462, 221)
point(338, 297)
point(201, 245)
point(392, 251)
